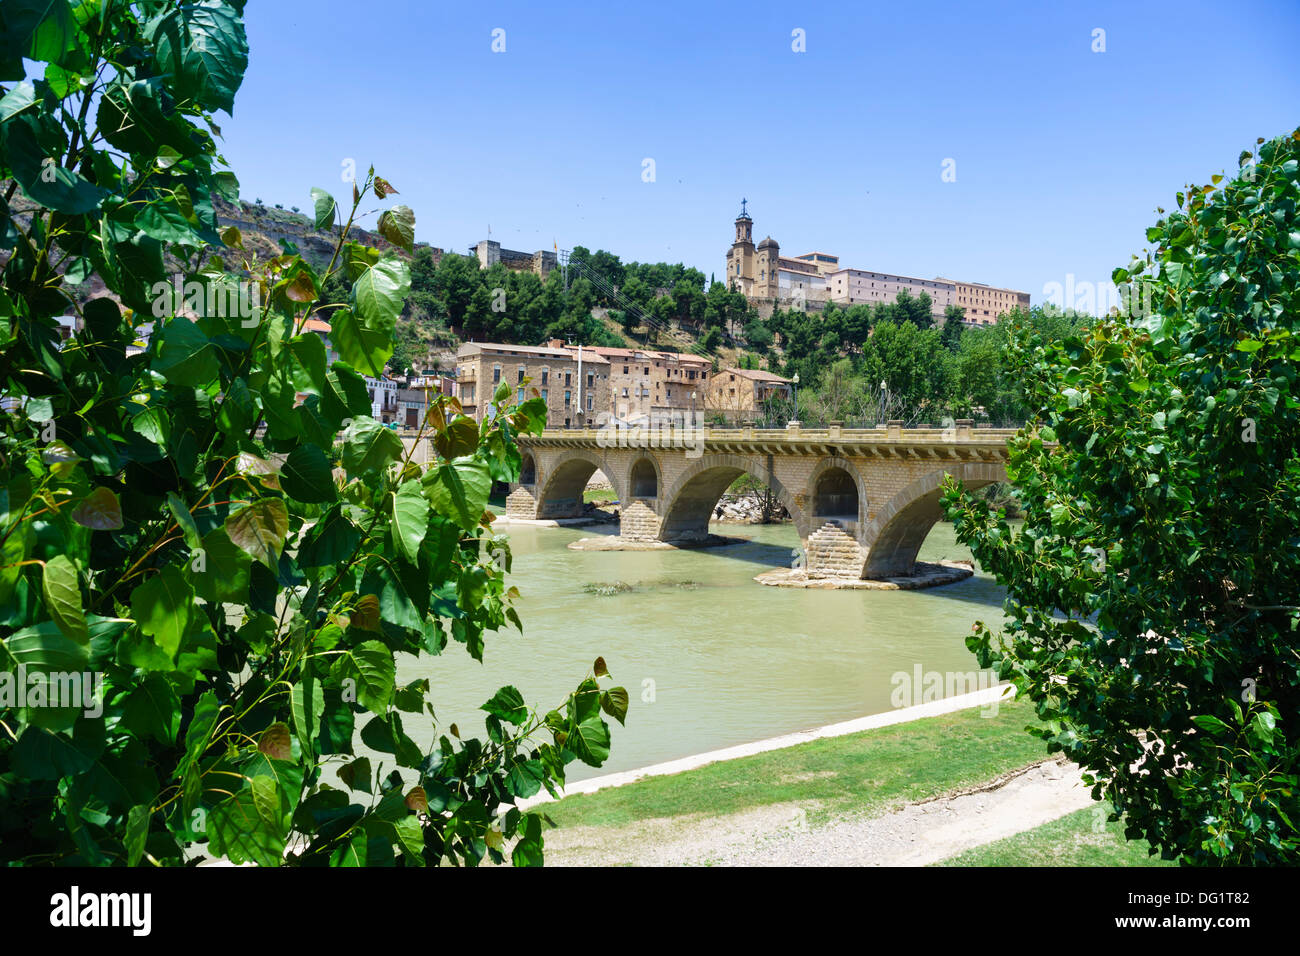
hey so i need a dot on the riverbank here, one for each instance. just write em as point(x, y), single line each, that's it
point(907, 794)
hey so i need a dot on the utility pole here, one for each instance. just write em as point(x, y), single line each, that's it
point(581, 412)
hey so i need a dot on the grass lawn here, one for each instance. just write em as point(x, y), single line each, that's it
point(1082, 838)
point(599, 495)
point(867, 773)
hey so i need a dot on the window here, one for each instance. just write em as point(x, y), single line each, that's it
point(591, 380)
point(647, 369)
point(568, 378)
point(521, 374)
point(624, 369)
point(567, 402)
point(589, 401)
point(545, 395)
point(625, 393)
point(546, 372)
point(496, 374)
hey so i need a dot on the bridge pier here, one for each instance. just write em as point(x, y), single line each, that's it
point(638, 520)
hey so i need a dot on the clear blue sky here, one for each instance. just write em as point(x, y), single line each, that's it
point(1061, 154)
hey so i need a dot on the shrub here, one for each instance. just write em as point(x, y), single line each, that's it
point(197, 509)
point(1152, 591)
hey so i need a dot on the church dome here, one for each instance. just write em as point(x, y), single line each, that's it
point(768, 243)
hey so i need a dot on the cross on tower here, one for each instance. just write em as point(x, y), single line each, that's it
point(742, 207)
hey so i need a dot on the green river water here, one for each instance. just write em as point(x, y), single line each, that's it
point(710, 658)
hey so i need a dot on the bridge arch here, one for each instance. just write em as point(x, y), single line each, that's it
point(643, 478)
point(689, 503)
point(895, 535)
point(527, 468)
point(565, 477)
point(836, 493)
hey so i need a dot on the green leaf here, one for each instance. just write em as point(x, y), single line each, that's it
point(223, 572)
point(41, 755)
point(371, 668)
point(137, 833)
point(589, 741)
point(43, 647)
point(306, 475)
point(369, 447)
point(614, 703)
point(162, 607)
point(260, 529)
point(61, 589)
point(184, 520)
point(152, 709)
point(43, 179)
point(187, 357)
point(508, 704)
point(357, 774)
point(332, 540)
point(363, 344)
point(325, 207)
point(397, 225)
point(1211, 724)
point(204, 48)
point(410, 520)
point(459, 490)
point(307, 703)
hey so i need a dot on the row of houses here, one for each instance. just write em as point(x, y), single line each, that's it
point(587, 384)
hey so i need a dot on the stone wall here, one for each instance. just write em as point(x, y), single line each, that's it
point(520, 503)
point(638, 521)
point(832, 552)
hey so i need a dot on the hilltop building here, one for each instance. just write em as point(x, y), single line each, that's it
point(769, 279)
point(489, 253)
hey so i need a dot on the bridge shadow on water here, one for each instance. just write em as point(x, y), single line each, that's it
point(766, 555)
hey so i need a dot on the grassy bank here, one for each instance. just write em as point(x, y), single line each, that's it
point(1082, 838)
point(860, 774)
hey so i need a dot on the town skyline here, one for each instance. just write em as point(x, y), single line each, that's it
point(840, 147)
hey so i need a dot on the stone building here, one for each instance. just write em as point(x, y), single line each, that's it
point(489, 253)
point(768, 278)
point(734, 391)
point(644, 383)
point(575, 386)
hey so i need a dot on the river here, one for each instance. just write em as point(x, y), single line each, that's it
point(709, 657)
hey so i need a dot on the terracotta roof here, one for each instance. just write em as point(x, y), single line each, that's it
point(614, 352)
point(542, 351)
point(316, 325)
point(758, 375)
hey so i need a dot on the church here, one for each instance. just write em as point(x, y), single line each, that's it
point(761, 272)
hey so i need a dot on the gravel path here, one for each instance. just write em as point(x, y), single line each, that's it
point(779, 835)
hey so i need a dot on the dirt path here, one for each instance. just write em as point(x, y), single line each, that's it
point(779, 835)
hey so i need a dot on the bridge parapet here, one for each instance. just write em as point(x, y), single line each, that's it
point(861, 497)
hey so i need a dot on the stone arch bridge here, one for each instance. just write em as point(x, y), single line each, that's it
point(862, 500)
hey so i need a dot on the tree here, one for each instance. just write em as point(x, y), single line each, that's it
point(1152, 598)
point(456, 280)
point(953, 318)
point(195, 524)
